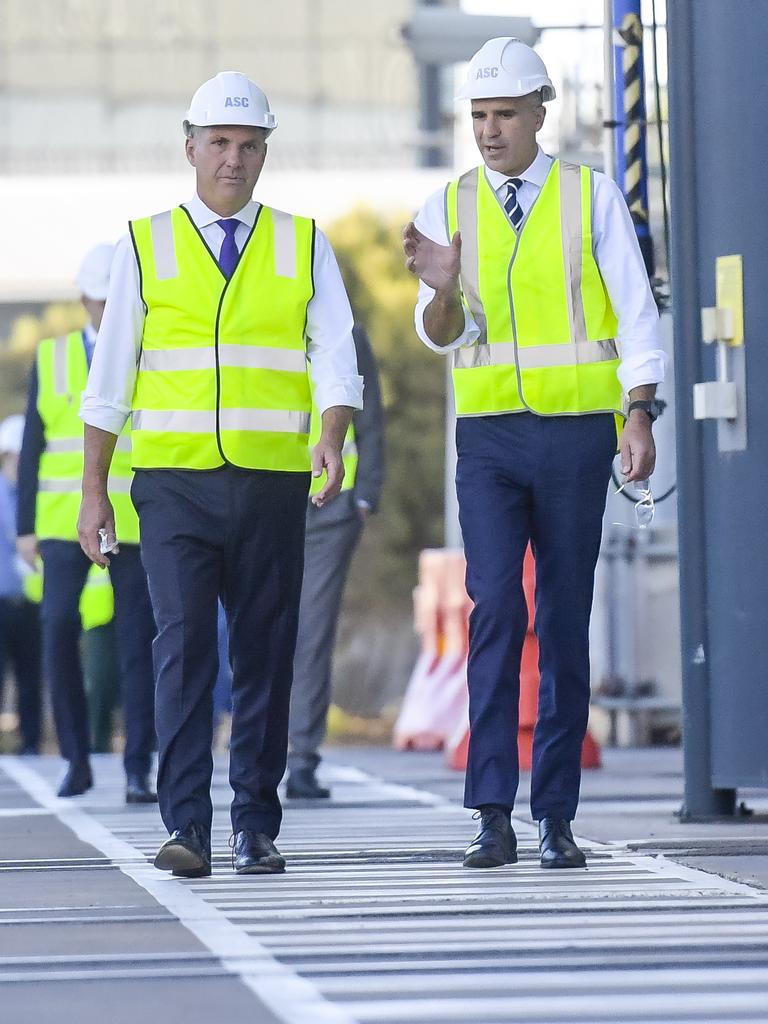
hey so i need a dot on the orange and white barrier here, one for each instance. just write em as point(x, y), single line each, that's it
point(435, 710)
point(436, 697)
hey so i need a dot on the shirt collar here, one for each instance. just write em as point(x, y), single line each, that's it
point(89, 334)
point(202, 216)
point(536, 173)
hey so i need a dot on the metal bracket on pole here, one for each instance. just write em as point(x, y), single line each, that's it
point(724, 399)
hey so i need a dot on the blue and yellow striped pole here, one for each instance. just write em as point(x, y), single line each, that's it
point(631, 160)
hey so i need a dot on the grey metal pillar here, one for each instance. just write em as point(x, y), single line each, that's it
point(701, 799)
point(717, 106)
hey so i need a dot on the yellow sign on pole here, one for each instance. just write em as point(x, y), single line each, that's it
point(729, 274)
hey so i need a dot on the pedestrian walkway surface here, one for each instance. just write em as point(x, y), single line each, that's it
point(375, 920)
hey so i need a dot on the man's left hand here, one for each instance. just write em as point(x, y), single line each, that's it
point(326, 456)
point(638, 450)
point(96, 513)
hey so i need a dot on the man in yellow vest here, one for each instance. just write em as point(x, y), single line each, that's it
point(332, 536)
point(532, 279)
point(50, 474)
point(214, 309)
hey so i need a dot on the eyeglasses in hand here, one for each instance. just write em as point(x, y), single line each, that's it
point(644, 508)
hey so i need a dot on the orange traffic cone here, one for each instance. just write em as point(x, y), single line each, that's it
point(457, 745)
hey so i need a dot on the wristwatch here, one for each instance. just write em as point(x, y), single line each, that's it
point(651, 407)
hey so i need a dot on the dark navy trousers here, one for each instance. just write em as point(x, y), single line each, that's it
point(524, 478)
point(239, 535)
point(65, 572)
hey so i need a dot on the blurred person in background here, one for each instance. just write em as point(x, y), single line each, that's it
point(19, 614)
point(50, 479)
point(530, 276)
point(214, 310)
point(333, 533)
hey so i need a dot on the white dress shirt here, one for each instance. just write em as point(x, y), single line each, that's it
point(616, 252)
point(333, 365)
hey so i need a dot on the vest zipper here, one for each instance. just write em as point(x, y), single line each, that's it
point(218, 370)
point(518, 373)
point(518, 235)
point(227, 462)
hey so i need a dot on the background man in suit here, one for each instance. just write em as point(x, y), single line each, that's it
point(333, 533)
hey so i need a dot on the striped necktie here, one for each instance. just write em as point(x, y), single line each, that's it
point(511, 205)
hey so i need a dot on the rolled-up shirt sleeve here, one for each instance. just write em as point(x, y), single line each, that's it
point(106, 401)
point(643, 360)
point(430, 221)
point(330, 347)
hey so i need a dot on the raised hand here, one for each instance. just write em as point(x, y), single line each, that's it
point(437, 265)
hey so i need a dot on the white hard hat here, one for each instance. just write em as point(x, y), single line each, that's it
point(505, 66)
point(93, 276)
point(230, 98)
point(11, 433)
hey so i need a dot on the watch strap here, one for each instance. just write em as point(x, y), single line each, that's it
point(647, 405)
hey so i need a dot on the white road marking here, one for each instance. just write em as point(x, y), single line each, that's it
point(291, 998)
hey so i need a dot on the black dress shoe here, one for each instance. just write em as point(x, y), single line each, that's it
point(495, 843)
point(77, 780)
point(556, 845)
point(187, 853)
point(254, 853)
point(303, 785)
point(137, 790)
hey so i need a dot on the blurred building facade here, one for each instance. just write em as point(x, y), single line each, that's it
point(89, 86)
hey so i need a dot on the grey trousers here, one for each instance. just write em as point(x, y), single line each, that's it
point(332, 536)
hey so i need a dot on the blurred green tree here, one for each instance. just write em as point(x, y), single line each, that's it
point(383, 293)
point(18, 349)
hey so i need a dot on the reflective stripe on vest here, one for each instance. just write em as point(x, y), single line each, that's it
point(223, 369)
point(97, 600)
point(62, 371)
point(545, 318)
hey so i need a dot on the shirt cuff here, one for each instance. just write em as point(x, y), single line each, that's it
point(469, 335)
point(345, 391)
point(97, 413)
point(647, 368)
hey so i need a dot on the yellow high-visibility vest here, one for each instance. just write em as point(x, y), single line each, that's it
point(223, 370)
point(97, 600)
point(348, 453)
point(62, 373)
point(547, 341)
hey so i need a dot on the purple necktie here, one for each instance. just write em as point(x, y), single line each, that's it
point(229, 255)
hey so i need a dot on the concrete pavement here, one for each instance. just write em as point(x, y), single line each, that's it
point(375, 920)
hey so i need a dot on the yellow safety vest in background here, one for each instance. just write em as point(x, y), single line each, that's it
point(97, 601)
point(62, 373)
point(348, 453)
point(546, 321)
point(223, 368)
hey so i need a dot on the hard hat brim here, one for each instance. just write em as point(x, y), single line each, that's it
point(480, 91)
point(186, 124)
